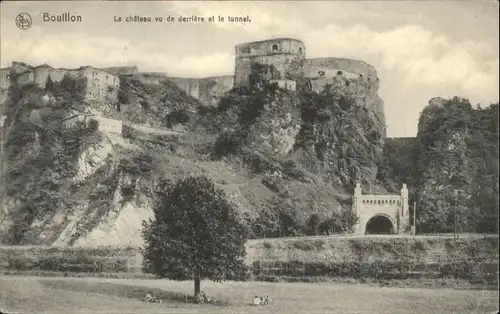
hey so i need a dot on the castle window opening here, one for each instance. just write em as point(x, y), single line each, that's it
point(300, 50)
point(275, 47)
point(339, 72)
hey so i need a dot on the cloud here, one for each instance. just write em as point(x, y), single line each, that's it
point(417, 55)
point(72, 50)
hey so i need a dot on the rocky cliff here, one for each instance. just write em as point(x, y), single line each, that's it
point(81, 181)
point(72, 179)
point(457, 167)
point(280, 155)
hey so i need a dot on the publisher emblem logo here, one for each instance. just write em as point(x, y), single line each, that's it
point(23, 21)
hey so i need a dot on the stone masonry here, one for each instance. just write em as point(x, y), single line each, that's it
point(386, 214)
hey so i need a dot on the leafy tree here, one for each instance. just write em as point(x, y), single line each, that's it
point(312, 224)
point(266, 225)
point(71, 89)
point(195, 234)
point(348, 219)
point(178, 116)
point(341, 221)
point(285, 217)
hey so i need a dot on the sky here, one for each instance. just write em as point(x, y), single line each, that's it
point(421, 49)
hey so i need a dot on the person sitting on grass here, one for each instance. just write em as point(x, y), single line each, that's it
point(260, 300)
point(256, 300)
point(203, 298)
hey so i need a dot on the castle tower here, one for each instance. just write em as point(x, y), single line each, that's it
point(285, 54)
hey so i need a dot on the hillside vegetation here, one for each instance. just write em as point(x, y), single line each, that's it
point(289, 160)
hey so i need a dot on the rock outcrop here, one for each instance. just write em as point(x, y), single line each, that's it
point(457, 167)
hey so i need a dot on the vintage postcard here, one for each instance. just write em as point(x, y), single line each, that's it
point(249, 157)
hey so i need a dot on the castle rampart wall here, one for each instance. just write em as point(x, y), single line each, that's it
point(212, 89)
point(121, 70)
point(207, 90)
point(25, 78)
point(189, 85)
point(351, 67)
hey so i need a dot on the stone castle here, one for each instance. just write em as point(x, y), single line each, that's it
point(286, 55)
point(101, 85)
point(288, 58)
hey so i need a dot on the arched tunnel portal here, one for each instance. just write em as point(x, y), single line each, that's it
point(380, 224)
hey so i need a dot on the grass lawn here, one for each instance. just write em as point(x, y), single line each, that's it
point(95, 295)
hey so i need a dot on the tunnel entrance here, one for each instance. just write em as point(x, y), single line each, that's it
point(379, 225)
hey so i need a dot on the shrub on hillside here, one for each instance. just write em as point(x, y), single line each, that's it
point(179, 116)
point(69, 91)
